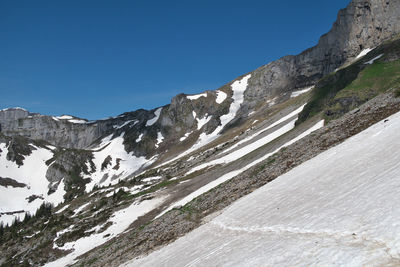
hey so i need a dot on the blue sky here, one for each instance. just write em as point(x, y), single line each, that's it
point(95, 58)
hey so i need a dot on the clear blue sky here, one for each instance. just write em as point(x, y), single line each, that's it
point(95, 59)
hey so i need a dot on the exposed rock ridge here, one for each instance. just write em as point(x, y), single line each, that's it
point(362, 24)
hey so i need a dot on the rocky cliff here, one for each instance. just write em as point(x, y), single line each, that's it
point(362, 24)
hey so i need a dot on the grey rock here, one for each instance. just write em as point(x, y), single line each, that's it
point(362, 24)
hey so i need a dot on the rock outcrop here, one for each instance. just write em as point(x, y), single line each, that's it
point(362, 24)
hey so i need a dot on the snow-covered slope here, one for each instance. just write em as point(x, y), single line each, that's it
point(119, 221)
point(32, 177)
point(336, 209)
point(121, 164)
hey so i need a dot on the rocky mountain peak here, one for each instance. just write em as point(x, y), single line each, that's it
point(362, 24)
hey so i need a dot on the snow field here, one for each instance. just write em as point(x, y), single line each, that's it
point(284, 118)
point(128, 163)
point(120, 222)
point(337, 209)
point(246, 149)
point(232, 174)
point(33, 174)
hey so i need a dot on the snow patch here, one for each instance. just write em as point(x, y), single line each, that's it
point(336, 209)
point(126, 123)
point(77, 121)
point(15, 108)
point(203, 121)
point(221, 96)
point(150, 179)
point(247, 149)
point(81, 208)
point(122, 165)
point(238, 88)
point(373, 60)
point(290, 115)
point(300, 92)
point(160, 139)
point(62, 209)
point(363, 53)
point(232, 174)
point(155, 119)
point(33, 174)
point(120, 222)
point(194, 97)
point(185, 136)
point(64, 117)
point(139, 138)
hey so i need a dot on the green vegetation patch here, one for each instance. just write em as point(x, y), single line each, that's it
point(377, 77)
point(346, 89)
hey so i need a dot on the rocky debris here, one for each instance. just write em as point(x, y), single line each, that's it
point(106, 162)
point(33, 198)
point(10, 182)
point(69, 164)
point(18, 148)
point(170, 226)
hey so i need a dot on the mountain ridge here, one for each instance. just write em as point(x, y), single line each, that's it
point(213, 142)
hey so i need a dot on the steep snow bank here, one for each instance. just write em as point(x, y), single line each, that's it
point(336, 209)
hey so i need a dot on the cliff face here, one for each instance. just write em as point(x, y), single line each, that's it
point(362, 24)
point(60, 132)
point(64, 131)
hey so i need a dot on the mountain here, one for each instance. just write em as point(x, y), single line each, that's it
point(123, 186)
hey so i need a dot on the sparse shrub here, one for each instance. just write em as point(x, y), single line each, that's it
point(27, 218)
point(1, 230)
point(397, 92)
point(44, 210)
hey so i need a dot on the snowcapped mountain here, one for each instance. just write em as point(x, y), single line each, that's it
point(124, 186)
